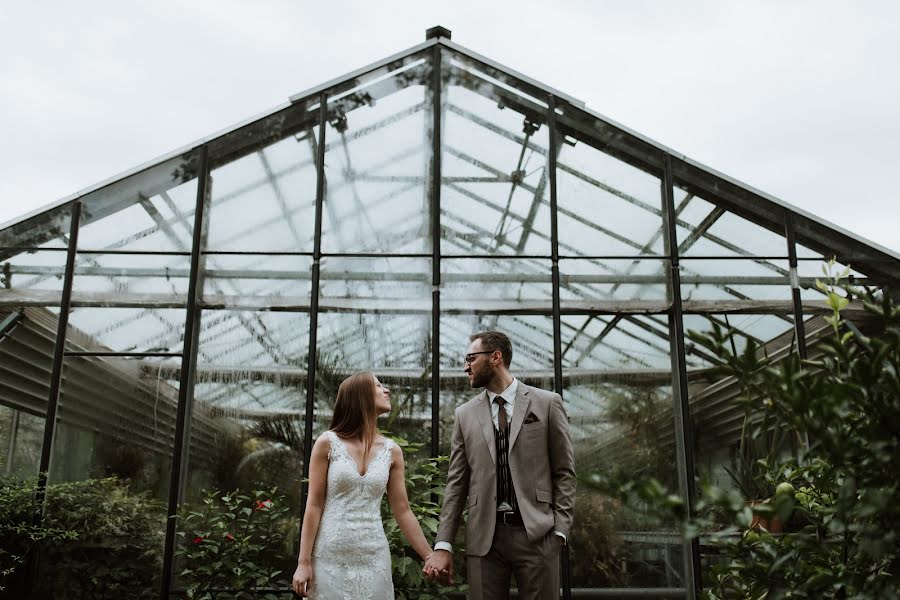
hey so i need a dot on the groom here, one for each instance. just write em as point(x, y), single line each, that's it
point(511, 464)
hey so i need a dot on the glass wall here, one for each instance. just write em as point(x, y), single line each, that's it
point(215, 301)
point(32, 265)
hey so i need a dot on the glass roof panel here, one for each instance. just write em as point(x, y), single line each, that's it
point(132, 329)
point(129, 302)
point(739, 282)
point(257, 281)
point(32, 278)
point(773, 331)
point(252, 361)
point(130, 279)
point(48, 229)
point(265, 201)
point(386, 284)
point(707, 230)
point(149, 210)
point(606, 206)
point(376, 166)
point(495, 188)
point(500, 285)
point(614, 342)
point(585, 280)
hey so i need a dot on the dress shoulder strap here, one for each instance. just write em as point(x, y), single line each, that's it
point(388, 449)
point(333, 440)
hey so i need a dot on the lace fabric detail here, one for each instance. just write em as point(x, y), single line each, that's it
point(351, 558)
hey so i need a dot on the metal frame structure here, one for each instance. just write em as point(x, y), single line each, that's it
point(657, 324)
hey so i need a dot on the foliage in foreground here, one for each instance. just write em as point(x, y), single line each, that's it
point(227, 542)
point(425, 482)
point(97, 539)
point(839, 499)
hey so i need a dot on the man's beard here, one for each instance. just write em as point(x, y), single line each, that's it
point(480, 379)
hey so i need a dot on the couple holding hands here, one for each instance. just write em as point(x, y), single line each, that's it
point(511, 465)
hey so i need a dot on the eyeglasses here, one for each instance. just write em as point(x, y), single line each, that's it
point(471, 356)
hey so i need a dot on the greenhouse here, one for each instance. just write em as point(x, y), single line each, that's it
point(182, 327)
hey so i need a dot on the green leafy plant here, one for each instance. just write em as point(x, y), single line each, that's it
point(425, 482)
point(598, 555)
point(227, 544)
point(637, 410)
point(840, 497)
point(19, 536)
point(761, 441)
point(97, 538)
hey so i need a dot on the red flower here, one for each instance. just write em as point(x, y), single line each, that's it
point(229, 537)
point(198, 539)
point(261, 504)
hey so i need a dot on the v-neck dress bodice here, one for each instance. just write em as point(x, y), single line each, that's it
point(351, 558)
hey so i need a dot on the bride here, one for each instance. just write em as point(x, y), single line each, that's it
point(343, 549)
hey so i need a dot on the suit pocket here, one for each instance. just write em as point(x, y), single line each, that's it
point(533, 426)
point(543, 496)
point(473, 498)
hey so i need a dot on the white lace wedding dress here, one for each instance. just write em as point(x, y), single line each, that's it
point(350, 558)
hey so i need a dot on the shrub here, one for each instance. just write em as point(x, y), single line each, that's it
point(97, 539)
point(228, 542)
point(425, 482)
point(839, 497)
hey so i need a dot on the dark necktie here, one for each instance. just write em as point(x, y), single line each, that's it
point(501, 417)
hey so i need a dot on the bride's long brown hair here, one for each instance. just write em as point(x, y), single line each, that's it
point(354, 414)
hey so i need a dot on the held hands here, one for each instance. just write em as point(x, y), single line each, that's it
point(302, 580)
point(439, 567)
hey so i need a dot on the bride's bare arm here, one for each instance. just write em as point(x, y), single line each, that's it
point(312, 515)
point(396, 490)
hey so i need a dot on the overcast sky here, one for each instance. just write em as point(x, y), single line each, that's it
point(800, 99)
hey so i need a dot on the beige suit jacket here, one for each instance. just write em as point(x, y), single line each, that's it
point(540, 460)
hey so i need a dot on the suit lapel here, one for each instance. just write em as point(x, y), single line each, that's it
point(487, 423)
point(521, 409)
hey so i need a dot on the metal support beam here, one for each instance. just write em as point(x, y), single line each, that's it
point(683, 426)
point(9, 323)
point(437, 111)
point(564, 559)
point(312, 362)
point(13, 435)
point(799, 325)
point(58, 354)
point(56, 375)
point(186, 383)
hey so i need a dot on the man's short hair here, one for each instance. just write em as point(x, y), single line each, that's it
point(494, 340)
